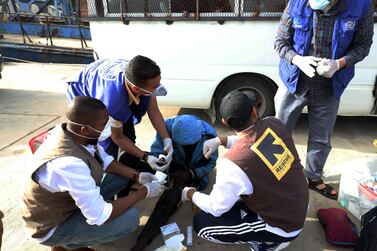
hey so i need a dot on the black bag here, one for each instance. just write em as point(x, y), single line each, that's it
point(368, 235)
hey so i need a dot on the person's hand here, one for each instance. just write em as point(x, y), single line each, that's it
point(184, 193)
point(181, 177)
point(306, 64)
point(328, 67)
point(155, 164)
point(145, 177)
point(168, 149)
point(210, 146)
point(154, 189)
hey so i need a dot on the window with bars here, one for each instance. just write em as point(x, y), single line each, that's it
point(187, 9)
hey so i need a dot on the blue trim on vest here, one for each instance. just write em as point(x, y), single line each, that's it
point(104, 80)
point(344, 29)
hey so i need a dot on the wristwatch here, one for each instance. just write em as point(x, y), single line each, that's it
point(145, 157)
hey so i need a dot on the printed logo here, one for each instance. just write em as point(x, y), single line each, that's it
point(111, 69)
point(350, 25)
point(243, 214)
point(274, 153)
point(297, 22)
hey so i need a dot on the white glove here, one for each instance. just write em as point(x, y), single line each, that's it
point(153, 163)
point(168, 149)
point(184, 193)
point(306, 64)
point(145, 178)
point(327, 67)
point(154, 189)
point(210, 146)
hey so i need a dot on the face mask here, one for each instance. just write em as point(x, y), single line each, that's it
point(160, 90)
point(91, 140)
point(319, 4)
point(106, 133)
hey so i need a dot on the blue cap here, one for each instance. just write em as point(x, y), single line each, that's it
point(186, 130)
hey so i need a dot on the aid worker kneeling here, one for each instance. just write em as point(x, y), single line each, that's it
point(67, 204)
point(261, 193)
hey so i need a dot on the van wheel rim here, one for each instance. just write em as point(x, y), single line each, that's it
point(261, 103)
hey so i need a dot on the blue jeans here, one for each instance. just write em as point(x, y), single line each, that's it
point(75, 232)
point(322, 116)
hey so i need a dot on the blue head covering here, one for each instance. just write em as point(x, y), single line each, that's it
point(186, 130)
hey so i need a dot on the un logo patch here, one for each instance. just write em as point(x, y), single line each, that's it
point(297, 22)
point(274, 153)
point(110, 70)
point(350, 25)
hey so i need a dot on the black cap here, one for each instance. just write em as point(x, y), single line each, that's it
point(236, 106)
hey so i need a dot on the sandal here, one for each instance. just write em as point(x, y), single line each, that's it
point(326, 191)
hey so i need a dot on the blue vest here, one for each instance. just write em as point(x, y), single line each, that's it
point(104, 80)
point(345, 26)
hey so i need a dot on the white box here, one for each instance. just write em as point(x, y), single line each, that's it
point(354, 173)
point(170, 230)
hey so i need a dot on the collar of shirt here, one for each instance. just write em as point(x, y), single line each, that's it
point(90, 148)
point(338, 7)
point(335, 10)
point(131, 97)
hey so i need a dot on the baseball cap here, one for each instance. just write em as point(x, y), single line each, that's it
point(235, 108)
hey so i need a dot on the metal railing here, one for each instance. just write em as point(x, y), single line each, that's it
point(175, 10)
point(51, 15)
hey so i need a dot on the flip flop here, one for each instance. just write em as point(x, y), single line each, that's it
point(326, 191)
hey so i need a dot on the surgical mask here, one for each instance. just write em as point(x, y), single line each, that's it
point(160, 90)
point(91, 140)
point(319, 4)
point(106, 133)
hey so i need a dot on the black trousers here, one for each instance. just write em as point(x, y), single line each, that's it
point(238, 225)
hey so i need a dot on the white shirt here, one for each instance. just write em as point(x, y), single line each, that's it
point(72, 175)
point(231, 183)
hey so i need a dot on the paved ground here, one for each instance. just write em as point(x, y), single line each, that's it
point(32, 100)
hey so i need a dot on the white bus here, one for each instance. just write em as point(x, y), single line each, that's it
point(206, 48)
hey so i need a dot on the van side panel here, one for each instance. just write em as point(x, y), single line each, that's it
point(196, 56)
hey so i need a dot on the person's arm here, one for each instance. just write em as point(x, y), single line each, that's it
point(362, 42)
point(125, 143)
point(124, 203)
point(206, 169)
point(118, 168)
point(72, 175)
point(212, 145)
point(231, 182)
point(156, 119)
point(284, 39)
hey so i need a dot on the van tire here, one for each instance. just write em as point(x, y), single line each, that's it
point(264, 88)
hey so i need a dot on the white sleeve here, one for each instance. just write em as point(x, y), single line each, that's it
point(231, 140)
point(107, 159)
point(115, 123)
point(231, 182)
point(72, 175)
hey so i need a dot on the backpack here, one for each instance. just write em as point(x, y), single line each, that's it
point(368, 234)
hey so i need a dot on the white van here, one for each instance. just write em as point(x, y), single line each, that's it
point(206, 48)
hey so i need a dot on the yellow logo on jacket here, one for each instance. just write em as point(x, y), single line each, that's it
point(274, 153)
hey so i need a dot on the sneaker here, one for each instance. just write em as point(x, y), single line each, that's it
point(255, 246)
point(268, 246)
